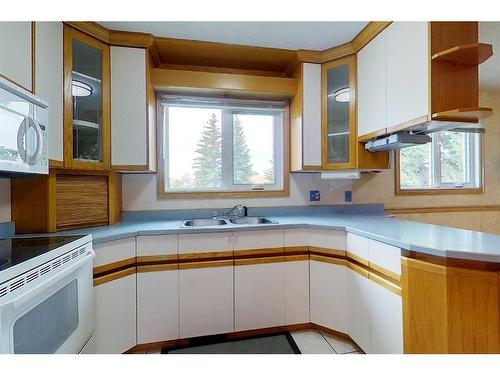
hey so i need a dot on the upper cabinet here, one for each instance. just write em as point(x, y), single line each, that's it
point(86, 102)
point(305, 119)
point(16, 59)
point(131, 123)
point(49, 82)
point(339, 139)
point(339, 113)
point(420, 76)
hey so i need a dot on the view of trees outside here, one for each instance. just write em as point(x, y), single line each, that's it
point(195, 158)
point(416, 161)
point(8, 154)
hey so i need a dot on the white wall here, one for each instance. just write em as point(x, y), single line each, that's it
point(139, 193)
point(4, 200)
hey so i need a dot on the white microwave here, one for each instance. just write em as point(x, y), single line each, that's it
point(23, 131)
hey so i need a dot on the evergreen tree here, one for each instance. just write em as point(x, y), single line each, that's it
point(243, 167)
point(207, 166)
point(269, 173)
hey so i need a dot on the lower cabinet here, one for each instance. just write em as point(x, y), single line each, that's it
point(328, 285)
point(205, 301)
point(259, 295)
point(386, 320)
point(157, 304)
point(358, 308)
point(115, 314)
point(296, 291)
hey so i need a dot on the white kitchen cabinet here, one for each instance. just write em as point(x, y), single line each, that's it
point(358, 247)
point(157, 305)
point(16, 57)
point(386, 320)
point(358, 309)
point(327, 239)
point(259, 295)
point(206, 301)
point(372, 85)
point(160, 245)
point(385, 256)
point(264, 239)
point(329, 299)
point(130, 141)
point(297, 291)
point(298, 237)
point(305, 123)
point(311, 115)
point(49, 80)
point(114, 251)
point(157, 290)
point(407, 72)
point(115, 317)
point(205, 243)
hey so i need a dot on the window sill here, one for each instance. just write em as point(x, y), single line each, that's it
point(224, 194)
point(457, 191)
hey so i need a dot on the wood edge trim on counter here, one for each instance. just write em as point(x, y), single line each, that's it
point(157, 258)
point(158, 267)
point(262, 260)
point(114, 266)
point(326, 251)
point(259, 252)
point(385, 283)
point(423, 266)
point(210, 255)
point(206, 264)
point(296, 249)
point(424, 210)
point(331, 260)
point(114, 276)
point(467, 264)
point(358, 259)
point(296, 258)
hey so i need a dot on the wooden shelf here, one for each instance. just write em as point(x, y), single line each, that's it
point(469, 54)
point(463, 114)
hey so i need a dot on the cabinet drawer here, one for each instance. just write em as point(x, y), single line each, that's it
point(296, 237)
point(327, 239)
point(268, 239)
point(386, 256)
point(157, 245)
point(114, 251)
point(205, 243)
point(358, 248)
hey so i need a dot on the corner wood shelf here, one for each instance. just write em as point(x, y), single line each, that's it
point(468, 54)
point(463, 114)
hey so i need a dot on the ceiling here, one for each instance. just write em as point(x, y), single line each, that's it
point(287, 35)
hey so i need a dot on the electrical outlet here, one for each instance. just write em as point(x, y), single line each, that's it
point(314, 195)
point(348, 196)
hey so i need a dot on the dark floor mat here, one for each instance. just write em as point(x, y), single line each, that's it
point(275, 344)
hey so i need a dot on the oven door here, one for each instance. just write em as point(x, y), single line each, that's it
point(55, 316)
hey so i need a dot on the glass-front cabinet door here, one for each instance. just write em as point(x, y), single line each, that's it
point(87, 102)
point(338, 83)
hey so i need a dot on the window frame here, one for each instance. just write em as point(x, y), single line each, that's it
point(162, 153)
point(444, 188)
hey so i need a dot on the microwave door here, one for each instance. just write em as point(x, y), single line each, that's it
point(11, 155)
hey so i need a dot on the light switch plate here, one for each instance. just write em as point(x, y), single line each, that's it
point(314, 195)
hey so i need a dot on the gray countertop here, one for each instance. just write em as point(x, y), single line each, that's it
point(420, 237)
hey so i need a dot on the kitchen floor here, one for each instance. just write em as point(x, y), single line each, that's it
point(317, 342)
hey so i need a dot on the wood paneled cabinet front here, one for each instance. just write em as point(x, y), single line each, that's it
point(87, 134)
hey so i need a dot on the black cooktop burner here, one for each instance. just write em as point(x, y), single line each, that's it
point(14, 251)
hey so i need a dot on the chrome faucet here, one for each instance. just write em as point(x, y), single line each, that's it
point(239, 209)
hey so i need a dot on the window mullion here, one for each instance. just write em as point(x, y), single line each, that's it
point(227, 149)
point(436, 161)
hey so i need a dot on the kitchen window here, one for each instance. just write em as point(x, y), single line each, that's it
point(450, 163)
point(214, 146)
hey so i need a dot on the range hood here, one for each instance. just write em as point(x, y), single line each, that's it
point(397, 141)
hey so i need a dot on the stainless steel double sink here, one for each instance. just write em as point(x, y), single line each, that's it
point(243, 220)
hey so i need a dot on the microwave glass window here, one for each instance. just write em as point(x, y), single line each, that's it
point(87, 102)
point(8, 135)
point(46, 326)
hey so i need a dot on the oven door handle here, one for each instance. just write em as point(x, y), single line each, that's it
point(21, 299)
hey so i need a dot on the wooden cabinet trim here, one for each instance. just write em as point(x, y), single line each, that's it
point(206, 264)
point(326, 251)
point(212, 255)
point(259, 252)
point(114, 276)
point(157, 258)
point(157, 268)
point(255, 261)
point(115, 266)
